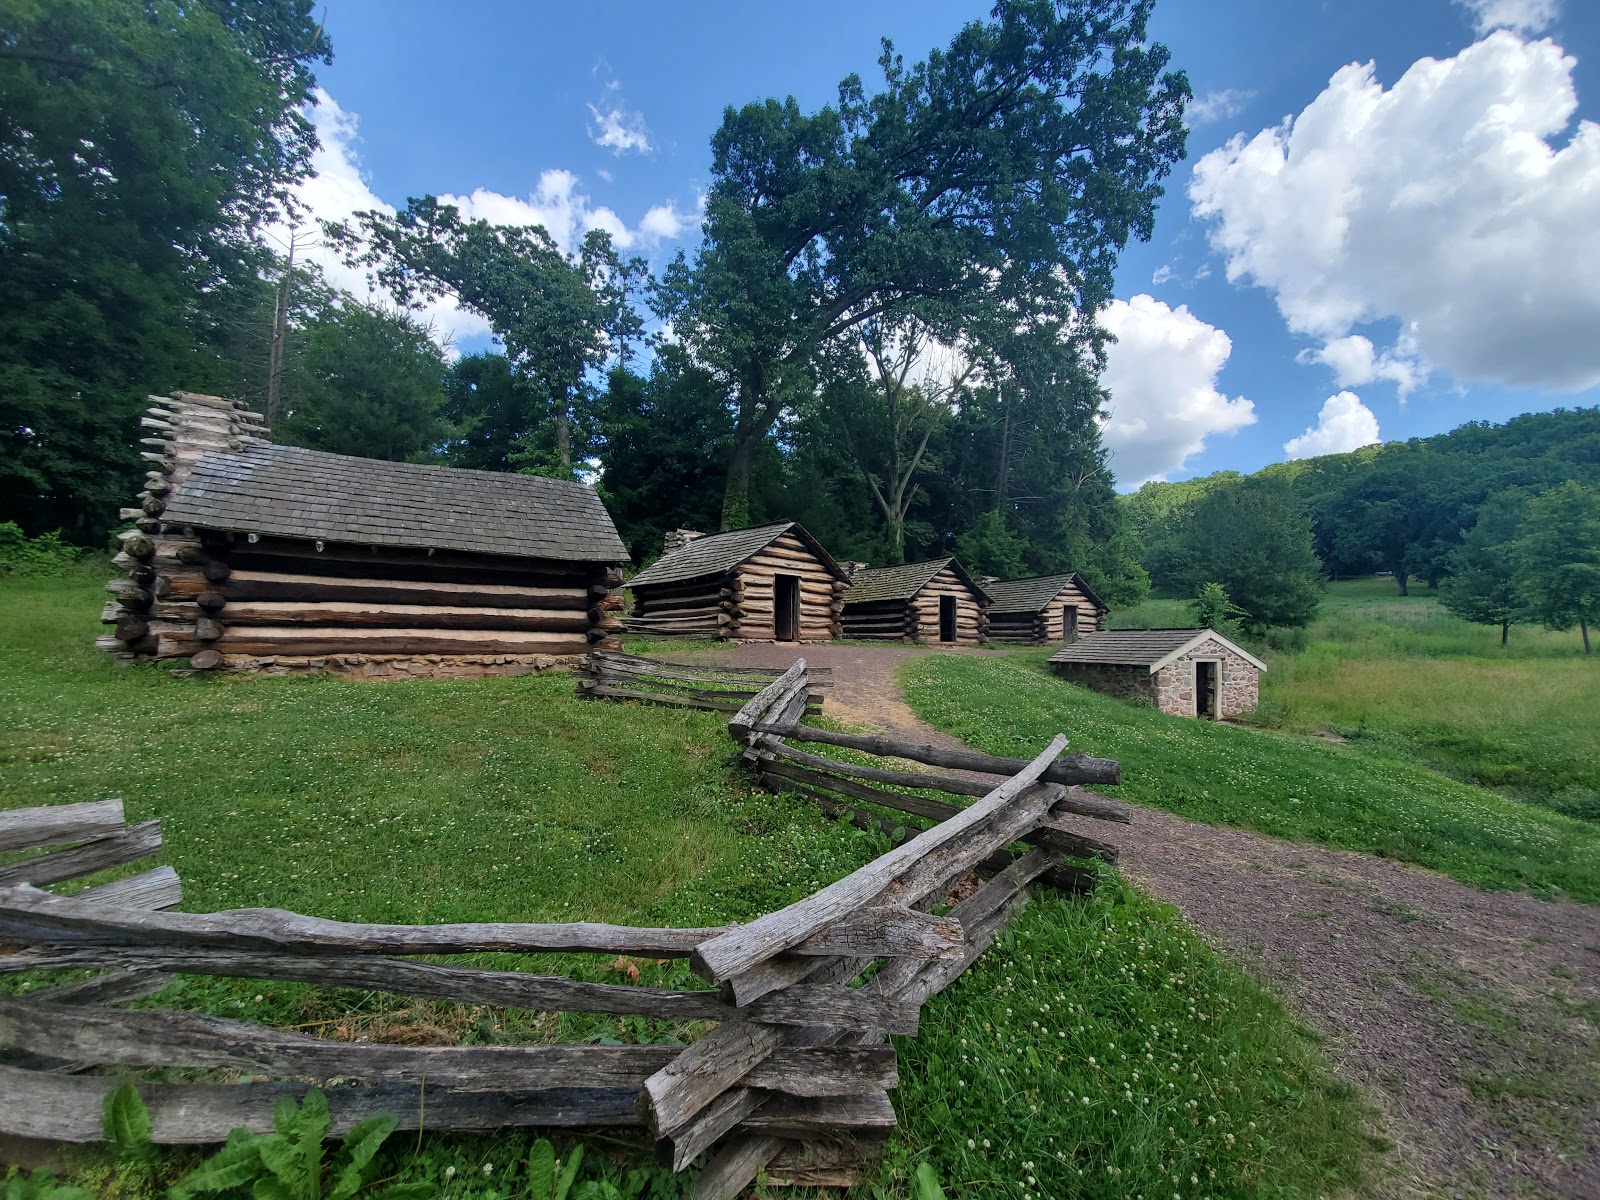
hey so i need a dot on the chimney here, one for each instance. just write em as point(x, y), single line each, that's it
point(677, 539)
point(852, 569)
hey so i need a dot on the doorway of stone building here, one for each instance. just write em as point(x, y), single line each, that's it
point(1205, 690)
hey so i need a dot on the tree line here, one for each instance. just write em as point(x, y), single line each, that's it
point(1503, 520)
point(887, 330)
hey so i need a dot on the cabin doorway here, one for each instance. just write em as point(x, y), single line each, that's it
point(786, 608)
point(1069, 622)
point(947, 618)
point(1205, 690)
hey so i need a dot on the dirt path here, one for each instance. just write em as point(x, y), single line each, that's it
point(1469, 1018)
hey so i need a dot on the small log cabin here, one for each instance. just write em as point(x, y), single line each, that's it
point(1185, 672)
point(1041, 610)
point(772, 583)
point(934, 601)
point(254, 556)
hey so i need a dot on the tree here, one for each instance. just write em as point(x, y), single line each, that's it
point(547, 309)
point(488, 409)
point(368, 383)
point(142, 147)
point(1482, 586)
point(988, 188)
point(1558, 558)
point(1213, 610)
point(1254, 540)
point(989, 548)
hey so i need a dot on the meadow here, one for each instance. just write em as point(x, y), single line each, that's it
point(1398, 673)
point(509, 799)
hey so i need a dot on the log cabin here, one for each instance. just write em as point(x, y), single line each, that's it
point(771, 583)
point(248, 555)
point(934, 601)
point(1043, 609)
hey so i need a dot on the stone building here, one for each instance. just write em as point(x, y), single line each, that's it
point(1185, 672)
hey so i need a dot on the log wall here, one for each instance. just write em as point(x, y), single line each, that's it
point(1047, 625)
point(972, 619)
point(739, 605)
point(243, 602)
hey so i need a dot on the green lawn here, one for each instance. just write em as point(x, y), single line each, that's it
point(1367, 798)
point(509, 799)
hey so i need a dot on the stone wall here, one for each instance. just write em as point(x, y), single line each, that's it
point(1238, 683)
point(1126, 683)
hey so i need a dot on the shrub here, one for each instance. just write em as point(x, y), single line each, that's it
point(46, 554)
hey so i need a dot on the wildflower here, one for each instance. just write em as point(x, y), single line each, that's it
point(450, 1172)
point(971, 1145)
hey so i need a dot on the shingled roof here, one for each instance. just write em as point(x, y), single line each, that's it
point(287, 491)
point(902, 582)
point(1031, 595)
point(718, 553)
point(1149, 648)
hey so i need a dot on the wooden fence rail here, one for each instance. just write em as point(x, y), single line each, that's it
point(614, 676)
point(793, 1076)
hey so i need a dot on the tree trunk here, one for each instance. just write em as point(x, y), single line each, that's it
point(1505, 632)
point(1583, 626)
point(1400, 578)
point(564, 437)
point(736, 497)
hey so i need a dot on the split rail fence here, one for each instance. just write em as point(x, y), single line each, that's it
point(793, 1076)
point(608, 675)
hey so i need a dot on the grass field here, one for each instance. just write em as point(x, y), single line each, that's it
point(509, 799)
point(1399, 673)
point(1367, 798)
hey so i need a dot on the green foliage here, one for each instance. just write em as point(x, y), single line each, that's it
point(816, 222)
point(46, 554)
point(1253, 539)
point(1368, 797)
point(366, 382)
point(1482, 586)
point(126, 1122)
point(925, 1183)
point(1558, 558)
point(1212, 609)
point(489, 410)
point(38, 1185)
point(989, 548)
point(289, 1164)
point(544, 1181)
point(141, 148)
point(1102, 1048)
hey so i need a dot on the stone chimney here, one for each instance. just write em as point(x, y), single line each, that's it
point(852, 569)
point(677, 539)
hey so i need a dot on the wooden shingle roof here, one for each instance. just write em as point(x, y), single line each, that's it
point(718, 553)
point(1149, 648)
point(1031, 595)
point(903, 582)
point(287, 491)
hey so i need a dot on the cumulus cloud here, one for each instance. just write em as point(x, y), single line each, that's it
point(1344, 424)
point(1444, 203)
point(339, 188)
point(1530, 16)
point(1355, 361)
point(1161, 374)
point(615, 126)
point(1217, 106)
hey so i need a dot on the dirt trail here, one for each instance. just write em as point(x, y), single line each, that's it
point(1469, 1018)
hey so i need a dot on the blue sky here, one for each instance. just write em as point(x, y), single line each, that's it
point(1347, 253)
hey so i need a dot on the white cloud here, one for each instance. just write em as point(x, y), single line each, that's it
point(1217, 106)
point(1162, 376)
point(1442, 203)
point(1530, 16)
point(1355, 361)
point(338, 189)
point(1343, 424)
point(617, 127)
point(1161, 274)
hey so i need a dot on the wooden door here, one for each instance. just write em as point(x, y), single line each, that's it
point(947, 618)
point(1069, 622)
point(786, 608)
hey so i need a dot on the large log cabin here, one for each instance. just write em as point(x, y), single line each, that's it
point(934, 601)
point(770, 583)
point(253, 556)
point(1042, 610)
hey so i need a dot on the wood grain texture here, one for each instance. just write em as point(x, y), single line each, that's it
point(59, 824)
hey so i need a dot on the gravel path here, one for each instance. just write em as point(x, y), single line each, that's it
point(1468, 1018)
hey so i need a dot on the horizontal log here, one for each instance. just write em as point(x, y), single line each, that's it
point(323, 640)
point(1070, 768)
point(300, 556)
point(815, 674)
point(164, 1038)
point(113, 987)
point(130, 594)
point(208, 629)
point(159, 887)
point(390, 615)
point(111, 644)
point(243, 585)
point(131, 844)
point(735, 952)
point(606, 691)
point(59, 824)
point(839, 1006)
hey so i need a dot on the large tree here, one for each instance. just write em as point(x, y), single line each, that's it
point(1558, 558)
point(988, 188)
point(1482, 586)
point(555, 314)
point(143, 144)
